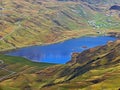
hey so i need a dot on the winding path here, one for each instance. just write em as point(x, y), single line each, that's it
point(7, 34)
point(6, 76)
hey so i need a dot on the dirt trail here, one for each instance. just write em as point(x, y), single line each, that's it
point(6, 76)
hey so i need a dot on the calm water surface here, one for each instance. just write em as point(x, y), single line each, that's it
point(60, 52)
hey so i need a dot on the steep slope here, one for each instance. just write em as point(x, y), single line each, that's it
point(91, 68)
point(35, 22)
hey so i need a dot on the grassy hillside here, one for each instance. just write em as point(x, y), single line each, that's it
point(96, 69)
point(36, 22)
point(13, 67)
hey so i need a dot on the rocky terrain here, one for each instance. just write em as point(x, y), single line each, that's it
point(114, 34)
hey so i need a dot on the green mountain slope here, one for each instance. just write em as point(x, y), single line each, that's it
point(97, 68)
point(36, 22)
point(18, 69)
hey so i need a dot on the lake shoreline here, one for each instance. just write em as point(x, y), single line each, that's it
point(62, 40)
point(61, 52)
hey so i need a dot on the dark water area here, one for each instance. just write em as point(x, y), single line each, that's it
point(60, 52)
point(115, 7)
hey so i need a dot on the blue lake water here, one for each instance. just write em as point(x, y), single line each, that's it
point(60, 52)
